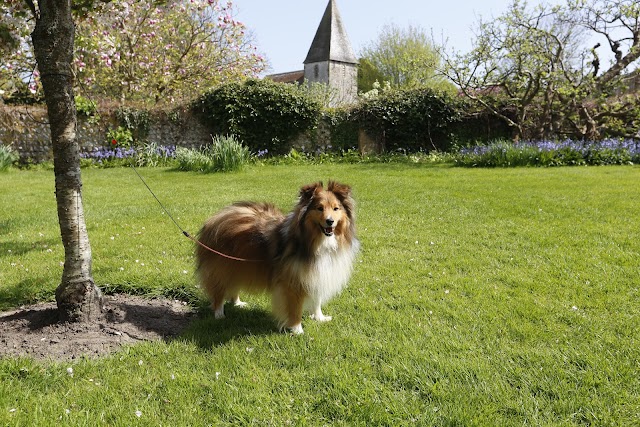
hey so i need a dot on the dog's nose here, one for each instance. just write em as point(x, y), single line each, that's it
point(330, 221)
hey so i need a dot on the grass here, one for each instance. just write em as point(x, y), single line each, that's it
point(482, 297)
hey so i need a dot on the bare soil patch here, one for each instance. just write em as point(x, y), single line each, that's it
point(35, 331)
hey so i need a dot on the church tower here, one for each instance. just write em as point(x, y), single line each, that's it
point(331, 59)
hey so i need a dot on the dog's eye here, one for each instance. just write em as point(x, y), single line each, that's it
point(320, 208)
point(336, 208)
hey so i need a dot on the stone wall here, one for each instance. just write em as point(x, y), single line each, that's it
point(26, 129)
point(316, 141)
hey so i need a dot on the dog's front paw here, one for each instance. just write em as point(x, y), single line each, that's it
point(319, 317)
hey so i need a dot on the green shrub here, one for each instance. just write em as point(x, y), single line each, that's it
point(7, 157)
point(609, 156)
point(154, 155)
point(568, 156)
point(225, 154)
point(264, 115)
point(191, 160)
point(120, 137)
point(410, 120)
point(86, 107)
point(344, 129)
point(136, 121)
point(228, 154)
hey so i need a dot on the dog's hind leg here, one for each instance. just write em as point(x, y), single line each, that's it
point(217, 302)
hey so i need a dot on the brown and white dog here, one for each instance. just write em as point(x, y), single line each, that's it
point(303, 259)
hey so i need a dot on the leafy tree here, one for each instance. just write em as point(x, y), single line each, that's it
point(51, 47)
point(368, 75)
point(405, 57)
point(611, 105)
point(531, 68)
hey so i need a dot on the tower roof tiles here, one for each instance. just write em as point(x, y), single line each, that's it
point(331, 42)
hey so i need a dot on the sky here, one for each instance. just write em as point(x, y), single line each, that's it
point(283, 29)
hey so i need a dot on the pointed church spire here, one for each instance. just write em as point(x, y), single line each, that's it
point(331, 42)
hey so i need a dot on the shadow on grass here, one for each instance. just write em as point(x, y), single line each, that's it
point(27, 291)
point(4, 226)
point(15, 248)
point(207, 332)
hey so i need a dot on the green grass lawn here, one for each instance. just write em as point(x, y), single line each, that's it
point(489, 297)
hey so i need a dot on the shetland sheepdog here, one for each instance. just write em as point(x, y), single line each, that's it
point(303, 259)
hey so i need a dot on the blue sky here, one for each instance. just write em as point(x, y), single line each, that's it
point(284, 29)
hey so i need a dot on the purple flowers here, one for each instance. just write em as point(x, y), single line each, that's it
point(551, 153)
point(108, 154)
point(102, 154)
point(166, 151)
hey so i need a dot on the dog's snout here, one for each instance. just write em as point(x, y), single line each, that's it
point(329, 221)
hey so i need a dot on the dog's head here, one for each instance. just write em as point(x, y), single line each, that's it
point(330, 211)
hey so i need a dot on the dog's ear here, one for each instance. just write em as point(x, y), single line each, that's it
point(343, 193)
point(339, 189)
point(306, 197)
point(308, 191)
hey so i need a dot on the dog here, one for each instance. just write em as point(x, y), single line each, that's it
point(303, 259)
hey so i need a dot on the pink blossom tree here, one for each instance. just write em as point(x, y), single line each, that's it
point(138, 50)
point(17, 68)
point(142, 50)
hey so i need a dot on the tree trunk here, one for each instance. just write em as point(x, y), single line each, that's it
point(77, 296)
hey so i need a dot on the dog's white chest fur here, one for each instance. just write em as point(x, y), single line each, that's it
point(330, 270)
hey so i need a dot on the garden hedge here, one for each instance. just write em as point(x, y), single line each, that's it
point(264, 115)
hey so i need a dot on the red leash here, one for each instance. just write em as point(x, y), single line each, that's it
point(216, 252)
point(185, 232)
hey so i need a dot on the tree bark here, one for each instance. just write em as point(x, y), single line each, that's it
point(78, 298)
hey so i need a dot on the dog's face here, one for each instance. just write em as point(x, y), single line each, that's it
point(329, 211)
point(326, 212)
